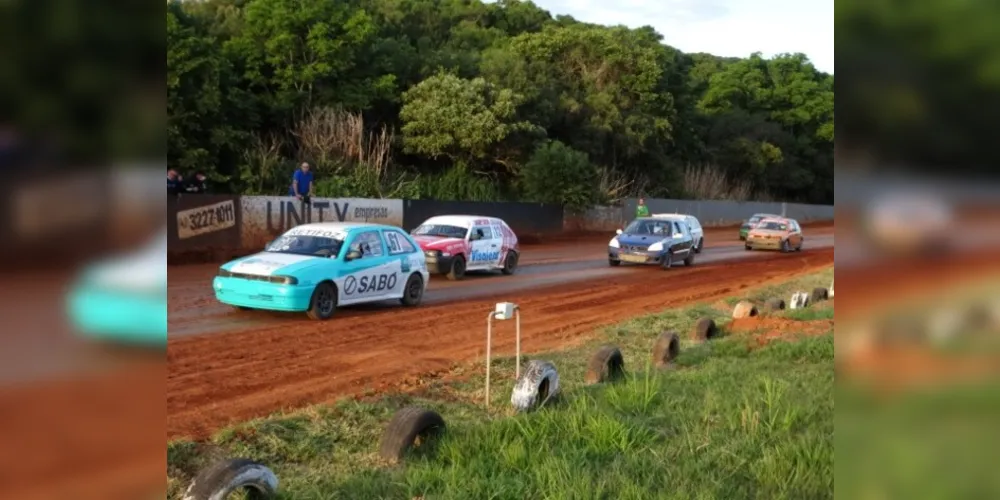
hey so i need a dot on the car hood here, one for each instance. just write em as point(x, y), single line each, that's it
point(273, 263)
point(140, 272)
point(436, 242)
point(639, 239)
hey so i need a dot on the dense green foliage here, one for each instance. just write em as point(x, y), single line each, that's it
point(464, 99)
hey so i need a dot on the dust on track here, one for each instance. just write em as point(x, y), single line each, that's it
point(216, 380)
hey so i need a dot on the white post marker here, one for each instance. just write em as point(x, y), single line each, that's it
point(503, 312)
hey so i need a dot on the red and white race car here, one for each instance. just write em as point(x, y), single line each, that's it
point(454, 244)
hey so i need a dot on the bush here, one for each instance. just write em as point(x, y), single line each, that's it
point(557, 173)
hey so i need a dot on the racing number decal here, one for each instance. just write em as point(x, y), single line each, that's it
point(393, 239)
point(369, 285)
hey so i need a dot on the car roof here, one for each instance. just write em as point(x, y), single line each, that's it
point(786, 220)
point(460, 220)
point(674, 216)
point(341, 226)
point(766, 216)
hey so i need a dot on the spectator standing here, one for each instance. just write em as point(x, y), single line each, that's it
point(302, 183)
point(174, 182)
point(641, 210)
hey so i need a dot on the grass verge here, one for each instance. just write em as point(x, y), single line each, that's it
point(733, 419)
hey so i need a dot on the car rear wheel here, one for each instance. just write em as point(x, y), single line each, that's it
point(701, 244)
point(414, 291)
point(457, 270)
point(799, 248)
point(510, 263)
point(614, 263)
point(323, 303)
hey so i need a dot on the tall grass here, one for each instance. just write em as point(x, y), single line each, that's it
point(708, 182)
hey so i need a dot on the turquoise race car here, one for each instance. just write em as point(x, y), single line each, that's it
point(315, 268)
point(124, 299)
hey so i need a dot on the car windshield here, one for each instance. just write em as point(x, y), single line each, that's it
point(645, 226)
point(304, 244)
point(442, 230)
point(774, 226)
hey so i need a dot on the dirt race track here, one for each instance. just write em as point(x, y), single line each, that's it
point(226, 366)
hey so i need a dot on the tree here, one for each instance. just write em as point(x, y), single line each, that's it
point(557, 173)
point(465, 120)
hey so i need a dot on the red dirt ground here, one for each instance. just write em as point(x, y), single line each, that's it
point(216, 380)
point(765, 330)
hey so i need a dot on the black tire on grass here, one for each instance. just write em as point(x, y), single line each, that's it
point(229, 476)
point(775, 304)
point(666, 349)
point(406, 426)
point(705, 329)
point(818, 294)
point(606, 365)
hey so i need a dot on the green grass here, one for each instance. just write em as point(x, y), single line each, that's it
point(731, 421)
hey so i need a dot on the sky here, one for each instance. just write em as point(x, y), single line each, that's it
point(732, 28)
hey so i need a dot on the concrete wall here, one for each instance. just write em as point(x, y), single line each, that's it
point(265, 217)
point(597, 219)
point(199, 221)
point(724, 213)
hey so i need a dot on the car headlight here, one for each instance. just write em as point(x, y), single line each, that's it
point(286, 280)
point(614, 243)
point(432, 253)
point(656, 247)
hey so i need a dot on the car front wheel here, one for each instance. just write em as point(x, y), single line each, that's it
point(457, 270)
point(323, 303)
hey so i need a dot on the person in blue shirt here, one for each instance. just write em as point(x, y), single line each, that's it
point(302, 183)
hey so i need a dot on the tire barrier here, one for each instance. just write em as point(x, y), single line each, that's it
point(538, 383)
point(745, 309)
point(666, 349)
point(222, 479)
point(606, 365)
point(774, 305)
point(800, 300)
point(705, 329)
point(408, 425)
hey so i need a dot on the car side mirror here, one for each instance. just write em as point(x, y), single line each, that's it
point(352, 255)
point(618, 231)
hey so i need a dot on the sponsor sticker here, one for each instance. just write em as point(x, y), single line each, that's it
point(369, 284)
point(207, 219)
point(479, 256)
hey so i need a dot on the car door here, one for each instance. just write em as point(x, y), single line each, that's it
point(372, 276)
point(681, 243)
point(401, 251)
point(484, 250)
point(796, 234)
point(498, 240)
point(696, 231)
